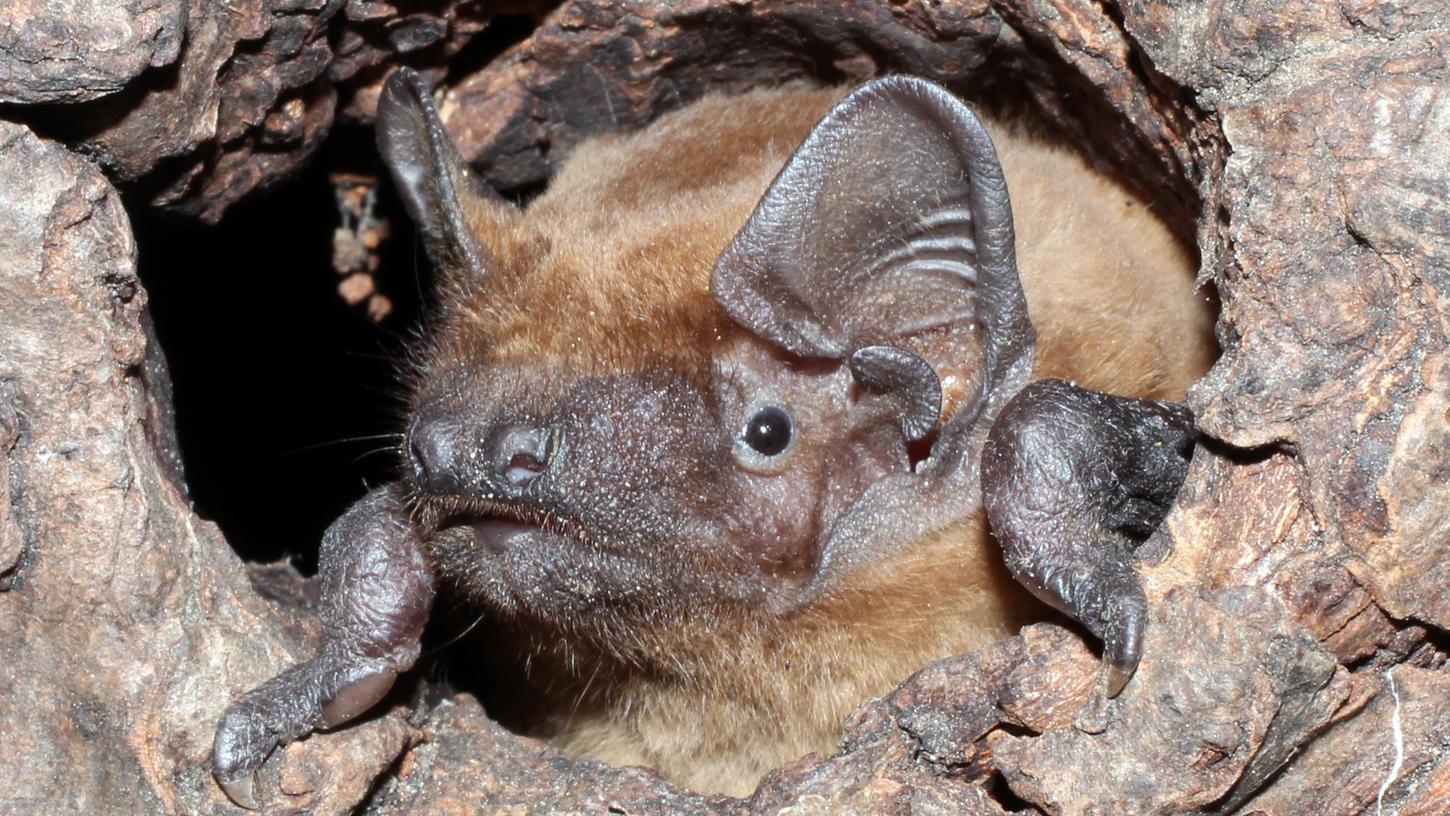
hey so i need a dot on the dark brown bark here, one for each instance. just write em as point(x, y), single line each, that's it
point(240, 93)
point(98, 47)
point(1298, 589)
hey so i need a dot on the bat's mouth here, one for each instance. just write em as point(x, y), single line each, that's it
point(499, 534)
point(499, 528)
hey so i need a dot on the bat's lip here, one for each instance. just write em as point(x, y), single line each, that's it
point(500, 527)
point(507, 528)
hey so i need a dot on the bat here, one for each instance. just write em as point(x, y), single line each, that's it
point(714, 426)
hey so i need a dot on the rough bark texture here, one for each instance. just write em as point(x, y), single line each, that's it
point(1295, 661)
point(89, 49)
point(245, 102)
point(128, 620)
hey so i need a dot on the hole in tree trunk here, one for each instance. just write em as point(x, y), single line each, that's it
point(287, 397)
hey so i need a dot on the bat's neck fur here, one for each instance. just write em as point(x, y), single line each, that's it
point(644, 216)
point(746, 695)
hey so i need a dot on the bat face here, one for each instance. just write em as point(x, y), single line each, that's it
point(702, 482)
point(700, 424)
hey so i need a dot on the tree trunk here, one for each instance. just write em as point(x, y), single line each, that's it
point(1296, 657)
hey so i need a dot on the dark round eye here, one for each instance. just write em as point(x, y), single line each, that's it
point(768, 431)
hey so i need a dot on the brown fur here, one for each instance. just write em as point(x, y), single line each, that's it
point(618, 253)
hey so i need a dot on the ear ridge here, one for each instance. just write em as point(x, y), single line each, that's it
point(890, 220)
point(438, 189)
point(1010, 340)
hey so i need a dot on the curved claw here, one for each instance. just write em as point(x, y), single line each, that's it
point(242, 744)
point(240, 790)
point(1102, 592)
point(325, 691)
point(1072, 480)
point(1123, 647)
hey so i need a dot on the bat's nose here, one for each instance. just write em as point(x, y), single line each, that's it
point(436, 455)
point(451, 457)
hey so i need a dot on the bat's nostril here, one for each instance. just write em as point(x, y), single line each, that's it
point(433, 449)
point(524, 454)
point(522, 469)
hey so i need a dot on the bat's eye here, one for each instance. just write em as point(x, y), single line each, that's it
point(768, 432)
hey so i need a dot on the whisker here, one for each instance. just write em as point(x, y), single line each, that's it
point(347, 440)
point(381, 356)
point(390, 393)
point(393, 449)
point(584, 692)
point(460, 636)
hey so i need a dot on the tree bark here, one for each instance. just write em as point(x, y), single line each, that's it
point(1295, 660)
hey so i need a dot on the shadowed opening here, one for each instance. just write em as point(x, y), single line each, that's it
point(286, 397)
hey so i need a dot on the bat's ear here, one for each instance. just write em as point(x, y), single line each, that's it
point(890, 220)
point(447, 201)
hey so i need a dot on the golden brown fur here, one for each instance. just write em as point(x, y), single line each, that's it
point(620, 248)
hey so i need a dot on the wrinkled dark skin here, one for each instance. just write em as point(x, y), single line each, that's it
point(605, 500)
point(1073, 481)
point(377, 589)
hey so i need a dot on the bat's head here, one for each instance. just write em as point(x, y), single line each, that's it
point(657, 426)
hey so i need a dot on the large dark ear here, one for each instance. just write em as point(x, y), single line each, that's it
point(890, 220)
point(436, 185)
